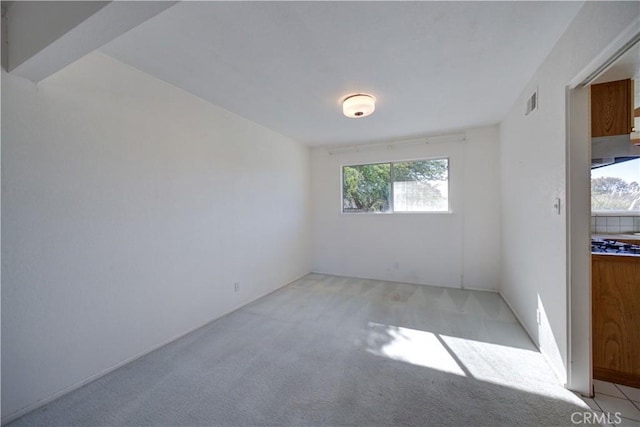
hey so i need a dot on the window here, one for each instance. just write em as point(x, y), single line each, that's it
point(616, 187)
point(413, 186)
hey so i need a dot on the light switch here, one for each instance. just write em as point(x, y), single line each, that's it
point(556, 206)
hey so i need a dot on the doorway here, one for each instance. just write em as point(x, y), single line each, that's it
point(612, 64)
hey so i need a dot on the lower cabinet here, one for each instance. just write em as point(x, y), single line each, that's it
point(616, 318)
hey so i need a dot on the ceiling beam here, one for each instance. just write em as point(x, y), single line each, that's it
point(45, 36)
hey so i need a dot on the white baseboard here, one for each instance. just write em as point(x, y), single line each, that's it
point(400, 281)
point(533, 340)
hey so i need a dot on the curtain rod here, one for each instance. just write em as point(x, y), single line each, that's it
point(390, 145)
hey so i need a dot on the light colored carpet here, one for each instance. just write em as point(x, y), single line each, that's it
point(329, 351)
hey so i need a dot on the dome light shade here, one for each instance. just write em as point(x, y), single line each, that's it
point(360, 105)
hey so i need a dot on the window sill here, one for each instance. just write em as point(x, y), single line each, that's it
point(398, 213)
point(615, 213)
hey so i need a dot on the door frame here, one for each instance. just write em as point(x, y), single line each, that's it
point(578, 217)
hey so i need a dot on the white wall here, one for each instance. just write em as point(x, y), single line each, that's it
point(533, 168)
point(461, 248)
point(129, 209)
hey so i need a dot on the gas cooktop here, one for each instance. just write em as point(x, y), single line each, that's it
point(606, 246)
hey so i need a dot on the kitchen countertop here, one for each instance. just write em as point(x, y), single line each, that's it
point(611, 255)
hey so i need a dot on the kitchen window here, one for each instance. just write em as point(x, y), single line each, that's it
point(616, 188)
point(392, 187)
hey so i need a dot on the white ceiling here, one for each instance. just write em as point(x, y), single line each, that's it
point(433, 66)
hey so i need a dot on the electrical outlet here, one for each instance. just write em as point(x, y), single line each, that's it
point(236, 287)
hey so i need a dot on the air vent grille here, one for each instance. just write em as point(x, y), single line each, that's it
point(532, 103)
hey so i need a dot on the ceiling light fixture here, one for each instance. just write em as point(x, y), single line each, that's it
point(359, 105)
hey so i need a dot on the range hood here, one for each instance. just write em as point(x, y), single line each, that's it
point(607, 150)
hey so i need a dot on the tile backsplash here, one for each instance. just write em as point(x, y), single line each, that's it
point(615, 224)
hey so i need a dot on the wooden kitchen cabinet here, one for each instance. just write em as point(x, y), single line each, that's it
point(612, 108)
point(616, 318)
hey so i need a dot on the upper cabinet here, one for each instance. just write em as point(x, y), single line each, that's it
point(612, 108)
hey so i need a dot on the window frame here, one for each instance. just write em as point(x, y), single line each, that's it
point(391, 210)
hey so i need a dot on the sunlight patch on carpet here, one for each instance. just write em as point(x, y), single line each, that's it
point(412, 346)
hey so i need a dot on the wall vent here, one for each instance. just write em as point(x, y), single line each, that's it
point(532, 103)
